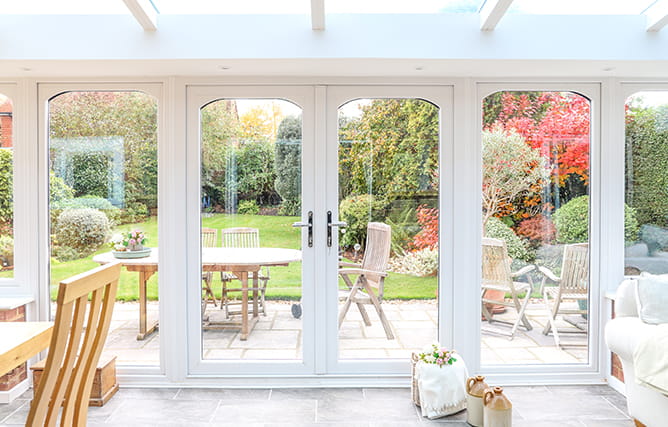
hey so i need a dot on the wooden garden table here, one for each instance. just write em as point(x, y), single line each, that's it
point(240, 261)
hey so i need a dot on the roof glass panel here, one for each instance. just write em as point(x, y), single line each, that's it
point(232, 7)
point(580, 7)
point(64, 7)
point(402, 6)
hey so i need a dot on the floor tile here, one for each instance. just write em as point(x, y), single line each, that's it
point(222, 394)
point(278, 411)
point(342, 410)
point(351, 394)
point(162, 411)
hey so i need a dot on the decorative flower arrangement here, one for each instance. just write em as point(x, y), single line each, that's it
point(130, 241)
point(437, 355)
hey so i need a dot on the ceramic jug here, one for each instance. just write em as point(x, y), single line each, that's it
point(497, 409)
point(475, 389)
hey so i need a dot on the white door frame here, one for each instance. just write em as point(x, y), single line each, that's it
point(197, 97)
point(442, 97)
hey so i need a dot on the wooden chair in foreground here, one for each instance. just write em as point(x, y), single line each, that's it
point(242, 237)
point(497, 276)
point(371, 273)
point(209, 237)
point(79, 333)
point(571, 285)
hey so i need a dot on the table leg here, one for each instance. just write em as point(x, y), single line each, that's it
point(244, 305)
point(255, 294)
point(144, 331)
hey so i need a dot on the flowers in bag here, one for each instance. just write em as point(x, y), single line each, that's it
point(437, 355)
point(129, 241)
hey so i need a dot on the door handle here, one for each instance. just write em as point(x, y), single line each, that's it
point(331, 224)
point(308, 224)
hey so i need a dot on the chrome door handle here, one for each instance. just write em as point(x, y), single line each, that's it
point(308, 224)
point(331, 224)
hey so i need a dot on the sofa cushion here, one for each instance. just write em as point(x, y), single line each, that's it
point(623, 334)
point(652, 298)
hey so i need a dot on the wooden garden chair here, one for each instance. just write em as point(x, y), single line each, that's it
point(572, 286)
point(70, 366)
point(497, 276)
point(242, 237)
point(371, 273)
point(209, 238)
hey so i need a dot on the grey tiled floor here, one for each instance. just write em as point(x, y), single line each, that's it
point(537, 406)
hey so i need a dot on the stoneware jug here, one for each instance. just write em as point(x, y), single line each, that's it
point(475, 389)
point(497, 410)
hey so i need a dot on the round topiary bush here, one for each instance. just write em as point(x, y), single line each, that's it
point(357, 212)
point(81, 232)
point(572, 222)
point(496, 229)
point(93, 202)
point(248, 207)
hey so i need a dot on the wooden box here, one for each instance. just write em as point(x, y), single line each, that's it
point(104, 382)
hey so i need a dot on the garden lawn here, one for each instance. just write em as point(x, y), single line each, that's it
point(275, 231)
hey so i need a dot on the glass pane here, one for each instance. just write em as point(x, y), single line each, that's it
point(535, 254)
point(646, 209)
point(579, 7)
point(388, 196)
point(251, 194)
point(64, 7)
point(103, 187)
point(250, 7)
point(402, 6)
point(6, 189)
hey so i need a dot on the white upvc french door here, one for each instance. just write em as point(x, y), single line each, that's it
point(407, 168)
point(212, 111)
point(320, 349)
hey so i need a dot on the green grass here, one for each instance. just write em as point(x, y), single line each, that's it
point(275, 231)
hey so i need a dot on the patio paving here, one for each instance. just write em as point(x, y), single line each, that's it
point(279, 336)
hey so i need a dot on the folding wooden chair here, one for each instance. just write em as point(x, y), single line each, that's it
point(70, 366)
point(209, 238)
point(241, 237)
point(572, 286)
point(371, 273)
point(496, 275)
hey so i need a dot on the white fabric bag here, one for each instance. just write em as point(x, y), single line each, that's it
point(442, 389)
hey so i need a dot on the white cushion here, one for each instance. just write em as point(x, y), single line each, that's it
point(652, 297)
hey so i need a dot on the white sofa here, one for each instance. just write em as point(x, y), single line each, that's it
point(622, 334)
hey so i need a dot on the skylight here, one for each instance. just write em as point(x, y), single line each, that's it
point(232, 7)
point(64, 7)
point(580, 7)
point(402, 6)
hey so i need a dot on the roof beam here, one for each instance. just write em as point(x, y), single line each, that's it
point(144, 12)
point(491, 13)
point(318, 14)
point(657, 15)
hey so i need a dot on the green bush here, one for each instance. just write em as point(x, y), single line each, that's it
point(134, 212)
point(6, 187)
point(58, 189)
point(572, 222)
point(6, 251)
point(256, 173)
point(288, 163)
point(517, 249)
point(80, 232)
point(357, 212)
point(248, 207)
point(92, 202)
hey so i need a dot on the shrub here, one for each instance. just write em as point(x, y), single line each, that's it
point(288, 164)
point(81, 230)
point(496, 229)
point(428, 235)
point(134, 212)
point(92, 202)
point(6, 187)
point(58, 190)
point(256, 173)
point(572, 222)
point(248, 207)
point(538, 230)
point(357, 212)
point(420, 263)
point(6, 251)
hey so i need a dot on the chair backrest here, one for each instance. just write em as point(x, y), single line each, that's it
point(495, 262)
point(377, 250)
point(241, 237)
point(209, 237)
point(70, 366)
point(575, 268)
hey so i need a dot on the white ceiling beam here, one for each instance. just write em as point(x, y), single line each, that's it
point(657, 15)
point(144, 12)
point(318, 14)
point(491, 13)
